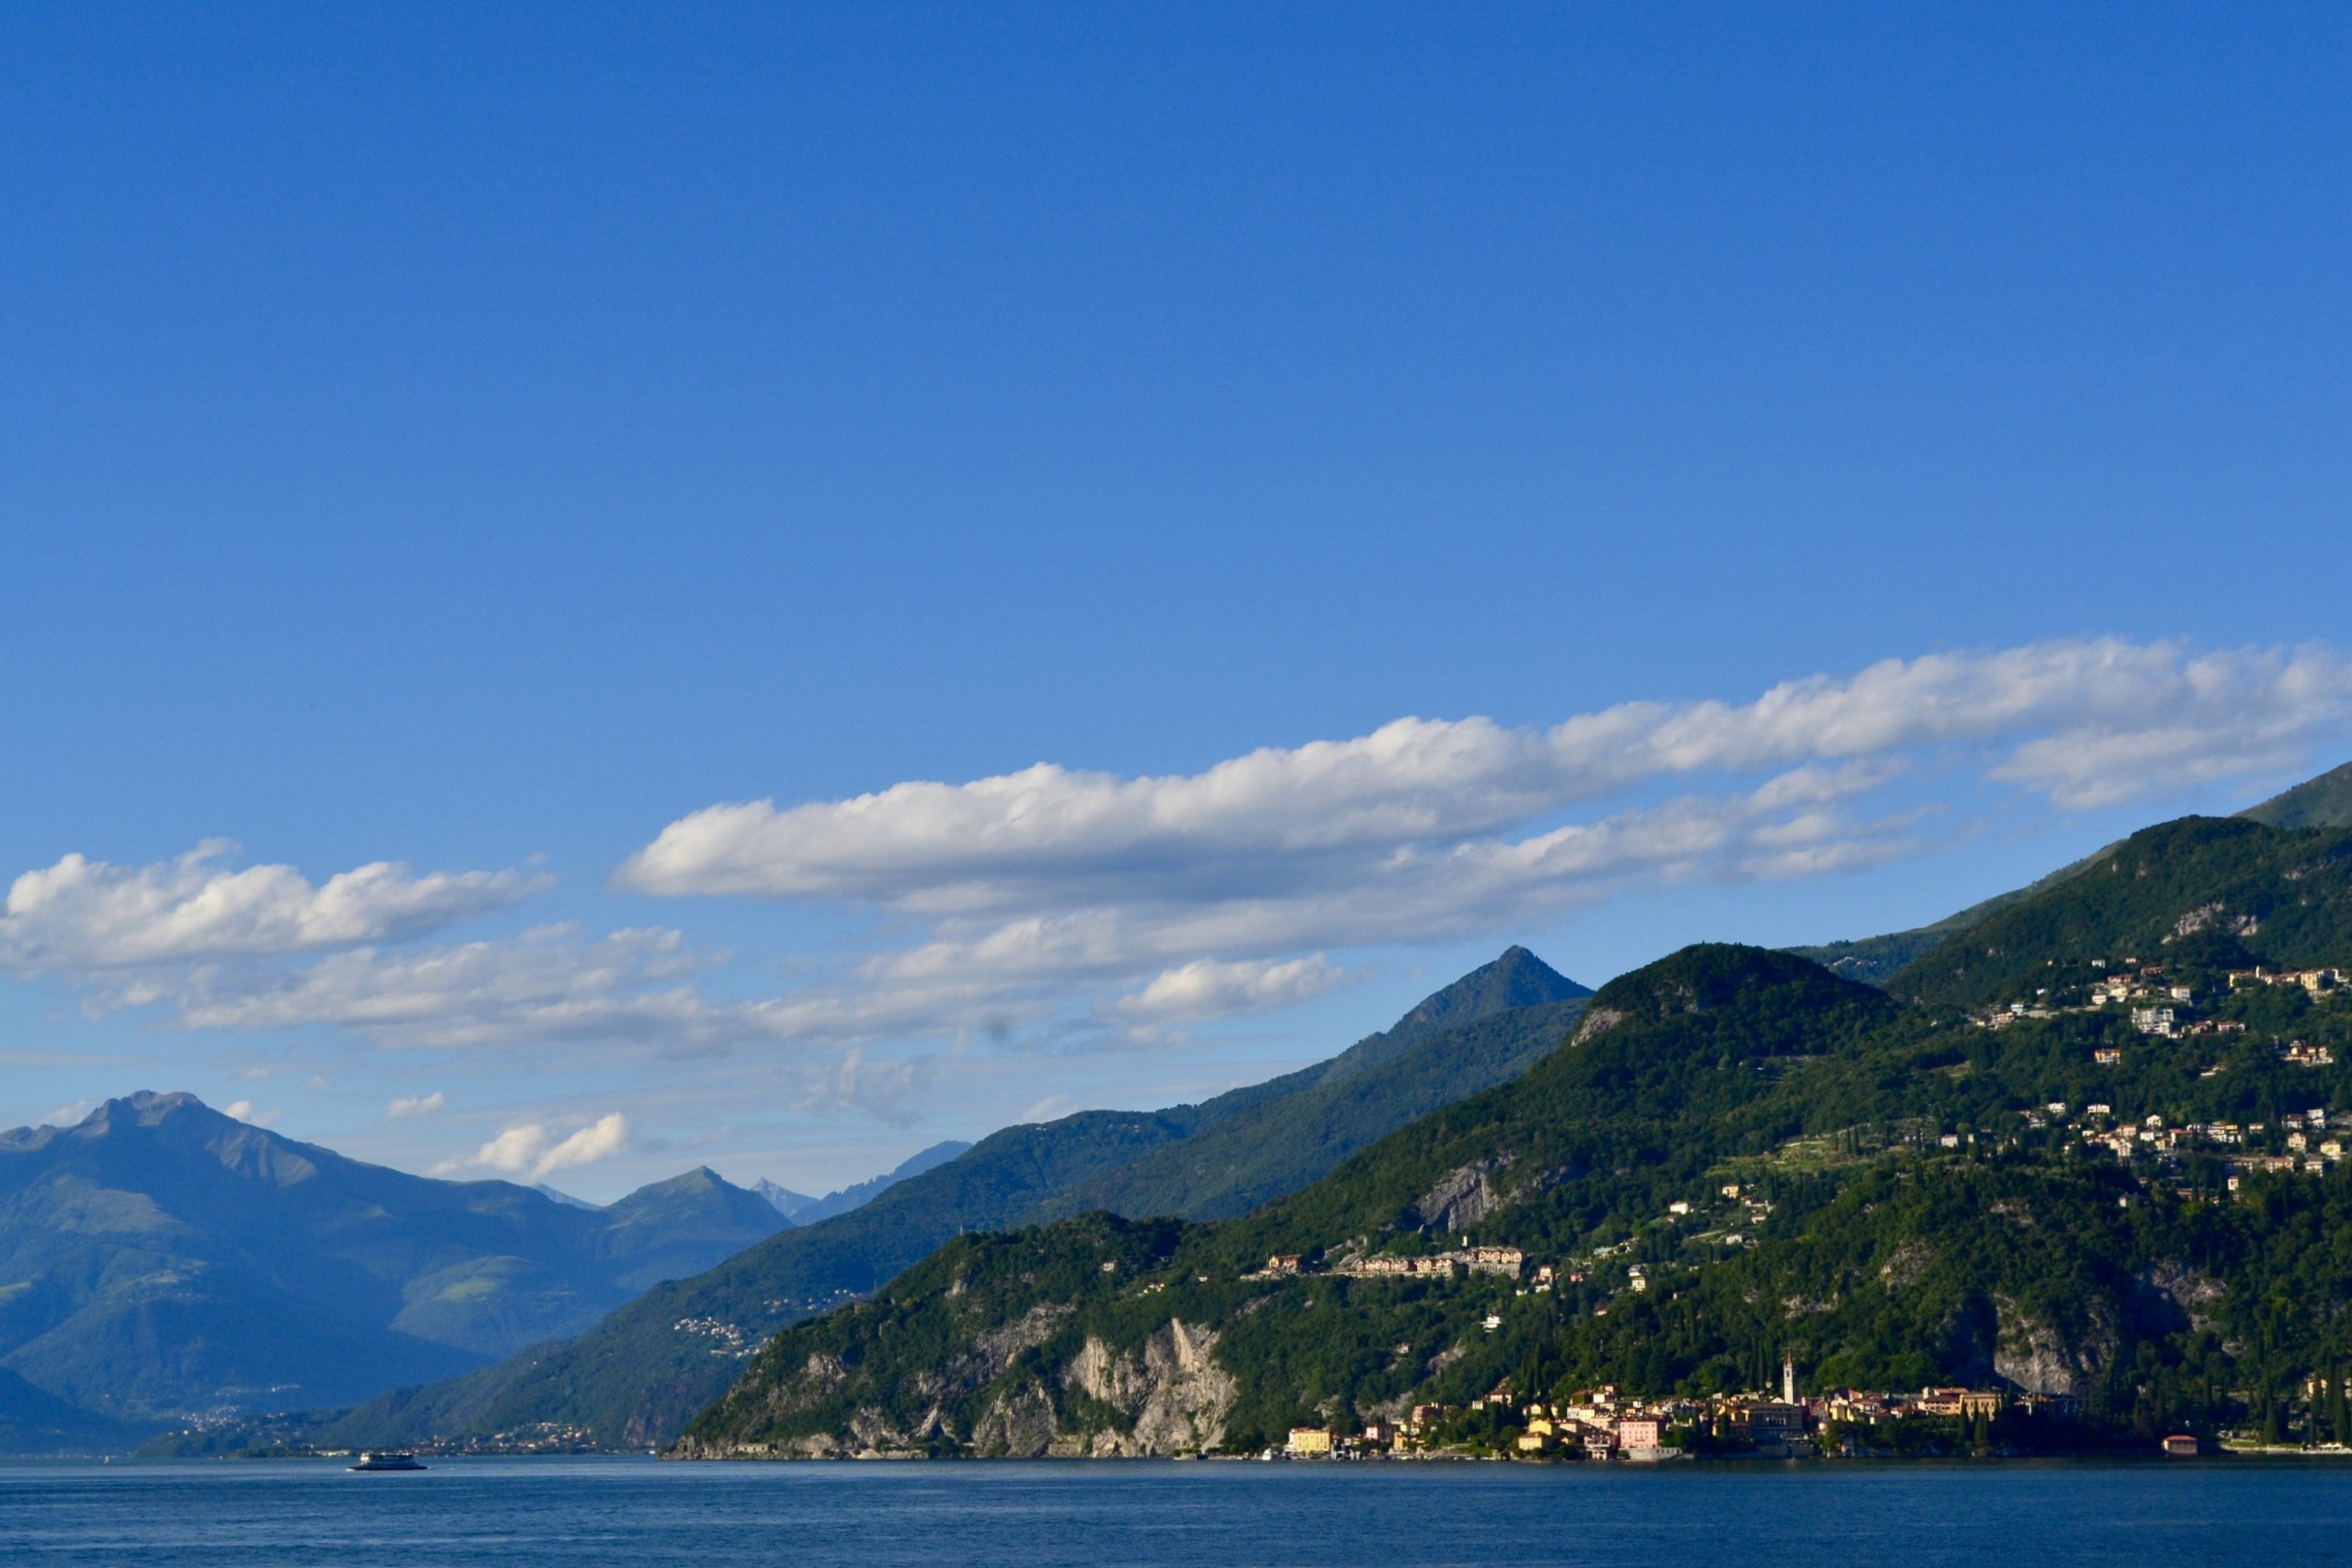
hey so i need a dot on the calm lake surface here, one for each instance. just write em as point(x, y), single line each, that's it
point(641, 1511)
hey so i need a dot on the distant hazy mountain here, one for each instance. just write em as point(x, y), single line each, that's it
point(638, 1376)
point(35, 1421)
point(561, 1196)
point(160, 1258)
point(803, 1209)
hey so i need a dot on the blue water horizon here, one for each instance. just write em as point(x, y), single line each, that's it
point(648, 1513)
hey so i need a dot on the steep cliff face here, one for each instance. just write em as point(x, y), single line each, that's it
point(1175, 1394)
point(1015, 1346)
point(2038, 1357)
point(1161, 1400)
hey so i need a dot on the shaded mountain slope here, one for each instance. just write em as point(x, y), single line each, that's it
point(161, 1257)
point(1487, 1029)
point(1876, 960)
point(35, 1421)
point(1907, 1205)
point(637, 1377)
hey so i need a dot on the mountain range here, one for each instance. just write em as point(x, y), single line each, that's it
point(803, 1209)
point(1987, 1171)
point(1093, 1272)
point(1738, 1156)
point(639, 1377)
point(160, 1258)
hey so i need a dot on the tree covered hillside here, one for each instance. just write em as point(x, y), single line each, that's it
point(642, 1373)
point(1737, 1157)
point(2204, 895)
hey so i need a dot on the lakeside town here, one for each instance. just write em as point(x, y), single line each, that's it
point(1604, 1424)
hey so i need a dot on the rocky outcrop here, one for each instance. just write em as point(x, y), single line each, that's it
point(1463, 1198)
point(1018, 1425)
point(2191, 1291)
point(2036, 1356)
point(1908, 1264)
point(1596, 1020)
point(1176, 1395)
point(995, 1350)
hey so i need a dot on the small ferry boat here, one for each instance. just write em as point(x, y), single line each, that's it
point(372, 1460)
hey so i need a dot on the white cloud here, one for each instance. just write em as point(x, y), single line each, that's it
point(415, 1105)
point(1059, 907)
point(69, 1114)
point(2084, 722)
point(1208, 989)
point(529, 1148)
point(885, 1089)
point(81, 915)
point(550, 984)
point(243, 1110)
point(1159, 899)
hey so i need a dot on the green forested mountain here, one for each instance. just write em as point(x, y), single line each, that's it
point(1487, 1028)
point(2325, 801)
point(638, 1376)
point(2204, 895)
point(160, 1258)
point(1913, 1198)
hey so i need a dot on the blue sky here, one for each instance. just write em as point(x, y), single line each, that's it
point(484, 444)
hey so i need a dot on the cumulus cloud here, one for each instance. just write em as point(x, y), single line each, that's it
point(2084, 722)
point(530, 1150)
point(1212, 988)
point(415, 1105)
point(81, 915)
point(1184, 898)
point(1054, 906)
point(549, 985)
point(883, 1089)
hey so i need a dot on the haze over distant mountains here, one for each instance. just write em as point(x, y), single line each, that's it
point(160, 1258)
point(803, 1209)
point(640, 1375)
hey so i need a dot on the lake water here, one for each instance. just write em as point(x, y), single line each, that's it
point(647, 1513)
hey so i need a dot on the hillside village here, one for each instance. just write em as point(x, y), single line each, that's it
point(1739, 1157)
